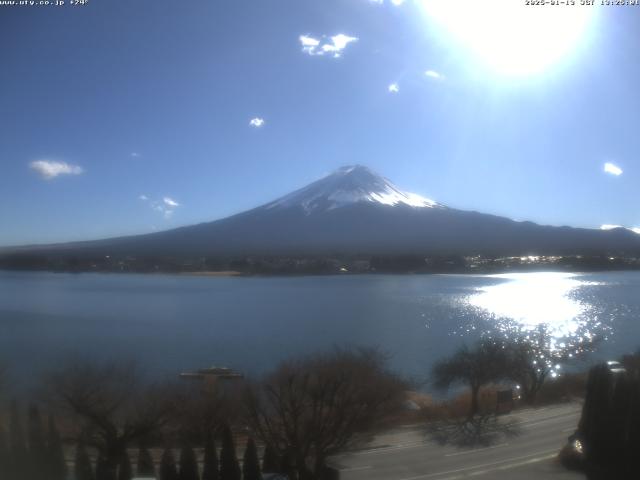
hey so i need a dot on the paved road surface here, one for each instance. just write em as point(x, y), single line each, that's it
point(406, 454)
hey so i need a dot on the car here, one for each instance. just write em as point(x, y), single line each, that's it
point(572, 454)
point(615, 367)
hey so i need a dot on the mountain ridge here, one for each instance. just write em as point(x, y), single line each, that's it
point(354, 211)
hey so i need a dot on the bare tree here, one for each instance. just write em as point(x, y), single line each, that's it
point(317, 406)
point(530, 364)
point(112, 405)
point(200, 413)
point(535, 355)
point(476, 367)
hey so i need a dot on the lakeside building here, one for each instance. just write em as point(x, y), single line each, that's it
point(212, 376)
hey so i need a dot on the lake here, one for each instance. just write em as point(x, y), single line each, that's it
point(172, 323)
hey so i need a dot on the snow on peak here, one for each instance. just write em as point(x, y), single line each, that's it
point(349, 185)
point(612, 227)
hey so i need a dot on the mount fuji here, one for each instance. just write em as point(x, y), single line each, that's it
point(349, 185)
point(355, 211)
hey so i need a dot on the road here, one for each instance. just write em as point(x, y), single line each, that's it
point(407, 454)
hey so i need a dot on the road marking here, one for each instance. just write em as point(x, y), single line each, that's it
point(530, 412)
point(437, 474)
point(524, 416)
point(355, 469)
point(504, 467)
point(539, 422)
point(475, 450)
point(543, 417)
point(377, 451)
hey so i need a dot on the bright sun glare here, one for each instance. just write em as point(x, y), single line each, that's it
point(534, 299)
point(510, 36)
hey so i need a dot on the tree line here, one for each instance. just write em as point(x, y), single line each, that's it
point(34, 455)
point(314, 263)
point(297, 416)
point(39, 455)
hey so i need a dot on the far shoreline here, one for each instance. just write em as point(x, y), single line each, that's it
point(240, 274)
point(208, 273)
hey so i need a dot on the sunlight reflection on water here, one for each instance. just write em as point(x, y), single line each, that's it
point(529, 300)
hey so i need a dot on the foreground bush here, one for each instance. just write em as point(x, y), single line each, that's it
point(609, 428)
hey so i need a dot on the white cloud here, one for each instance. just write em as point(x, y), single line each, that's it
point(166, 206)
point(170, 202)
point(394, 88)
point(49, 169)
point(339, 43)
point(135, 154)
point(433, 74)
point(256, 122)
point(612, 169)
point(308, 43)
point(333, 45)
point(397, 3)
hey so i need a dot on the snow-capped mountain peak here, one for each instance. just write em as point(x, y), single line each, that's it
point(349, 185)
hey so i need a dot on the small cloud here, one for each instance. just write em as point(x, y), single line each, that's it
point(339, 43)
point(166, 206)
point(170, 202)
point(308, 44)
point(333, 45)
point(256, 122)
point(48, 169)
point(433, 74)
point(612, 169)
point(135, 154)
point(394, 88)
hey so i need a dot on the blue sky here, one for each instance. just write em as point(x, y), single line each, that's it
point(124, 116)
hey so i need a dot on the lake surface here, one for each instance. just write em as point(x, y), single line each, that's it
point(172, 323)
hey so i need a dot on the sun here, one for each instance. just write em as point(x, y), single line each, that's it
point(512, 36)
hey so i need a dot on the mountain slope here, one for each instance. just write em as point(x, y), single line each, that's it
point(355, 211)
